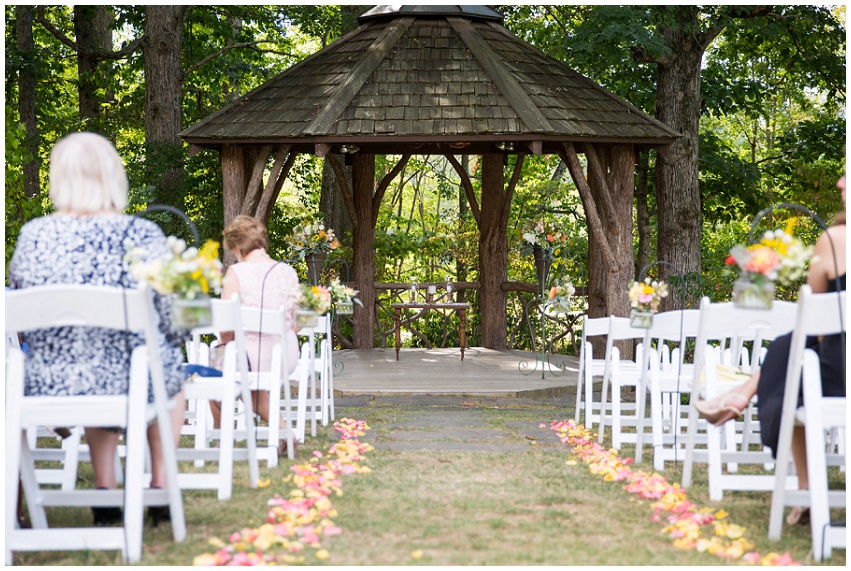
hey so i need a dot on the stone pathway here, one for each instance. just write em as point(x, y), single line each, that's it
point(448, 423)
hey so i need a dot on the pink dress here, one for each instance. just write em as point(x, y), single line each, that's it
point(279, 280)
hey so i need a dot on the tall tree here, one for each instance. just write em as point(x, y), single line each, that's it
point(163, 81)
point(27, 96)
point(93, 30)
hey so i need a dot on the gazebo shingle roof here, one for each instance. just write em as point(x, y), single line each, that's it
point(426, 82)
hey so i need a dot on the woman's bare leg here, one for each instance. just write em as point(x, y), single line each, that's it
point(103, 445)
point(799, 455)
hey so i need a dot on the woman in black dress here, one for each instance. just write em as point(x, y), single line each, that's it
point(769, 383)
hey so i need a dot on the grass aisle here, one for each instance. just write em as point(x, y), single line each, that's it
point(462, 508)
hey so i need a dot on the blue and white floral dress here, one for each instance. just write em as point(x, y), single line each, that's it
point(63, 249)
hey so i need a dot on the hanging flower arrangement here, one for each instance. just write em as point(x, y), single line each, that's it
point(189, 273)
point(647, 295)
point(559, 298)
point(777, 257)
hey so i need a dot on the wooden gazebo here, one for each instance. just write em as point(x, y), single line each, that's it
point(446, 80)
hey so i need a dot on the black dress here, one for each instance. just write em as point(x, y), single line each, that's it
point(772, 377)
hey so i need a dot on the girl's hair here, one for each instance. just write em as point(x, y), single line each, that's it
point(87, 175)
point(244, 235)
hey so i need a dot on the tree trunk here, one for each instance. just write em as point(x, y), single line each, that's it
point(642, 211)
point(331, 202)
point(678, 106)
point(92, 29)
point(26, 96)
point(493, 254)
point(163, 78)
point(233, 187)
point(363, 179)
point(608, 282)
point(607, 195)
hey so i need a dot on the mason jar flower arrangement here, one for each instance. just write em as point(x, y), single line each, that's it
point(644, 300)
point(189, 275)
point(558, 299)
point(311, 301)
point(777, 257)
point(343, 297)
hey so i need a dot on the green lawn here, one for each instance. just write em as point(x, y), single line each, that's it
point(454, 508)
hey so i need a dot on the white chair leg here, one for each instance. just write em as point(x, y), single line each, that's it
point(713, 444)
point(134, 484)
point(226, 444)
point(691, 441)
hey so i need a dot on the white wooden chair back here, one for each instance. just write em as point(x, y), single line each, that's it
point(723, 322)
point(818, 315)
point(588, 368)
point(619, 372)
point(317, 362)
point(669, 377)
point(227, 389)
point(272, 322)
point(90, 306)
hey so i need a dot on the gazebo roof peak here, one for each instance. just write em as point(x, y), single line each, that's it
point(396, 10)
point(429, 80)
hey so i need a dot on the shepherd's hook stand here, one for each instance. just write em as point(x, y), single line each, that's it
point(176, 211)
point(543, 302)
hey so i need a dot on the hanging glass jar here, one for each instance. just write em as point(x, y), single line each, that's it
point(641, 318)
point(345, 307)
point(749, 294)
point(191, 313)
point(306, 318)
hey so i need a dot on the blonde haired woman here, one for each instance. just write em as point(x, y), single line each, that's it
point(262, 282)
point(84, 242)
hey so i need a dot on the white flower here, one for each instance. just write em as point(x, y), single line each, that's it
point(190, 253)
point(529, 237)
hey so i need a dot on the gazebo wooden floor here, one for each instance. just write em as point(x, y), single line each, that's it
point(484, 372)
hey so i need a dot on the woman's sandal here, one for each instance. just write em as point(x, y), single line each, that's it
point(798, 515)
point(158, 514)
point(730, 406)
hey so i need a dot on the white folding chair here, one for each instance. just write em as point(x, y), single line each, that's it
point(91, 306)
point(227, 389)
point(272, 322)
point(620, 373)
point(669, 378)
point(315, 364)
point(818, 314)
point(325, 366)
point(589, 367)
point(730, 444)
point(67, 455)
